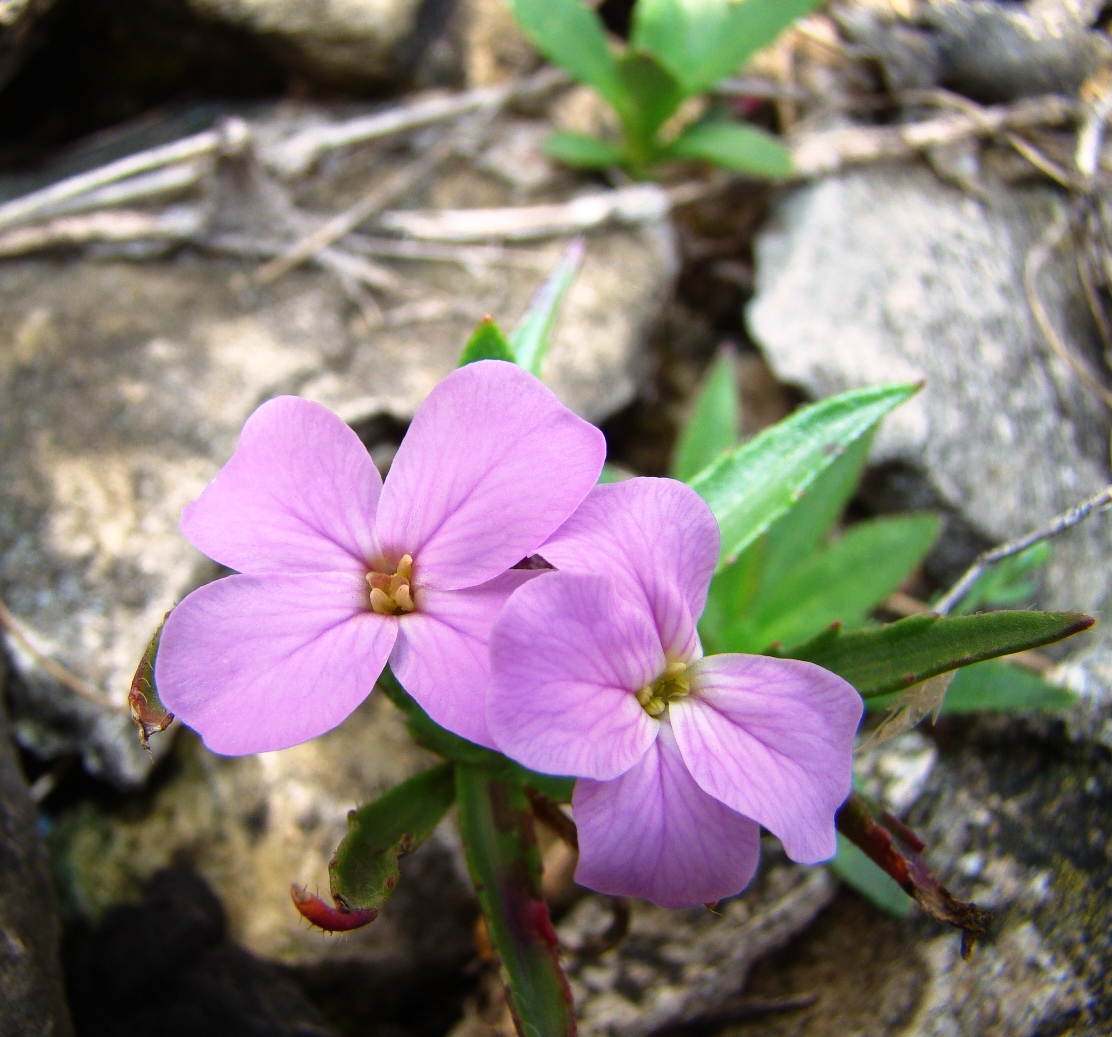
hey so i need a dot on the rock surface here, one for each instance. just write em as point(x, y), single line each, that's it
point(347, 42)
point(251, 826)
point(123, 387)
point(32, 1002)
point(676, 968)
point(906, 278)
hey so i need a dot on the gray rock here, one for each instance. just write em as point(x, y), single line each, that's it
point(251, 826)
point(32, 1000)
point(905, 278)
point(123, 387)
point(677, 967)
point(20, 21)
point(347, 42)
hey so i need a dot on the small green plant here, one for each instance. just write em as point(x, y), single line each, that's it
point(784, 592)
point(678, 49)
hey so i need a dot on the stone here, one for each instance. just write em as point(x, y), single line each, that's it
point(166, 957)
point(252, 826)
point(32, 999)
point(905, 278)
point(349, 43)
point(123, 387)
point(677, 967)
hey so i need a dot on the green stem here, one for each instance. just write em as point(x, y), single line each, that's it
point(505, 865)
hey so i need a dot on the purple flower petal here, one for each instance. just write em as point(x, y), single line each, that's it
point(654, 833)
point(490, 466)
point(441, 656)
point(298, 495)
point(659, 538)
point(773, 739)
point(255, 663)
point(567, 659)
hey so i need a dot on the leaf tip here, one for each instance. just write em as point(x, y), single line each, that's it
point(338, 919)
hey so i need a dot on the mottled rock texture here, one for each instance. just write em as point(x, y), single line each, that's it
point(32, 1003)
point(123, 387)
point(888, 274)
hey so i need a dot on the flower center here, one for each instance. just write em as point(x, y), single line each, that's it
point(391, 594)
point(670, 686)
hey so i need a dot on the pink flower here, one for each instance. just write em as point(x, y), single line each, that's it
point(597, 672)
point(341, 572)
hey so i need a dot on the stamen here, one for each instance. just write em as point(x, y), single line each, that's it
point(391, 594)
point(668, 687)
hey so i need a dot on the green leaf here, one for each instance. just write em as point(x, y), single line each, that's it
point(654, 95)
point(854, 868)
point(612, 473)
point(1008, 582)
point(703, 41)
point(496, 826)
point(364, 872)
point(582, 151)
point(715, 423)
point(571, 35)
point(751, 487)
point(147, 710)
point(802, 529)
point(731, 145)
point(486, 343)
point(429, 734)
point(732, 591)
point(997, 686)
point(531, 338)
point(552, 787)
point(843, 582)
point(890, 658)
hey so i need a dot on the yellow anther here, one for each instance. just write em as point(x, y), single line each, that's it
point(669, 687)
point(391, 594)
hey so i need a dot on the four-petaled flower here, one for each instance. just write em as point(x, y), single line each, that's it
point(597, 672)
point(340, 572)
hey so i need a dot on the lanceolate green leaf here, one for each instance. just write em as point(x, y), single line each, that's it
point(654, 95)
point(996, 686)
point(843, 582)
point(853, 867)
point(703, 41)
point(749, 26)
point(808, 523)
point(751, 487)
point(496, 826)
point(893, 657)
point(531, 338)
point(571, 35)
point(714, 426)
point(364, 872)
point(733, 145)
point(486, 343)
point(582, 151)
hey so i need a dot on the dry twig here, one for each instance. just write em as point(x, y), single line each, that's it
point(1059, 524)
point(820, 154)
point(231, 137)
point(176, 224)
point(48, 665)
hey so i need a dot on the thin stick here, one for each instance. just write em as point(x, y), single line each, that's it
point(56, 670)
point(296, 155)
point(230, 137)
point(374, 202)
point(640, 203)
point(820, 154)
point(1032, 267)
point(952, 598)
point(177, 224)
